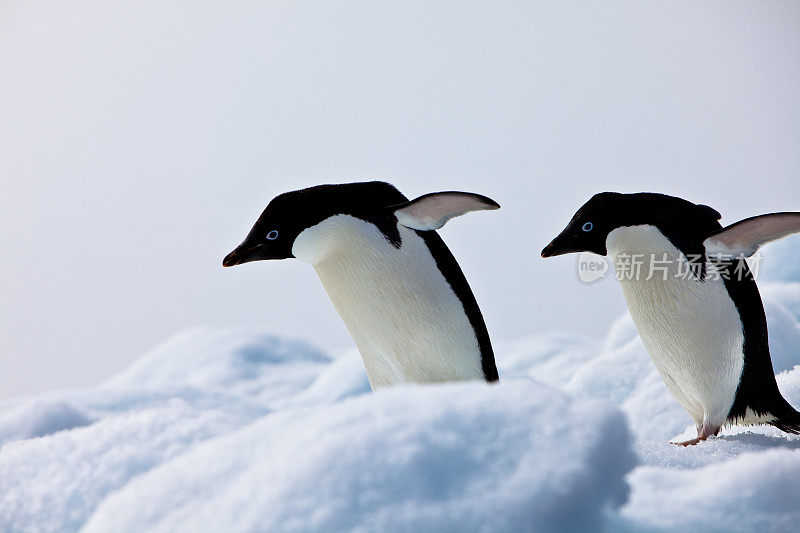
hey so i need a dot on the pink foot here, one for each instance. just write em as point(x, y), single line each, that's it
point(703, 432)
point(690, 442)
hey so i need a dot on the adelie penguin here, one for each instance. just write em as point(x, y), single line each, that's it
point(693, 300)
point(397, 287)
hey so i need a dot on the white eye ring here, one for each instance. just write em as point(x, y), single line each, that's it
point(272, 235)
point(587, 227)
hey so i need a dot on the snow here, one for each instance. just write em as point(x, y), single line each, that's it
point(749, 492)
point(245, 430)
point(172, 445)
point(439, 458)
point(37, 419)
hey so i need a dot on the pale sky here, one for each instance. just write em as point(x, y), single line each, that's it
point(139, 141)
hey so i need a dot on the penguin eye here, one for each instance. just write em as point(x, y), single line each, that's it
point(272, 235)
point(587, 227)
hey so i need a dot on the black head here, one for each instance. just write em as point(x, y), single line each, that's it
point(680, 220)
point(288, 214)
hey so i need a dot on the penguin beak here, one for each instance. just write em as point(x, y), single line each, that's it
point(573, 240)
point(242, 254)
point(560, 245)
point(549, 251)
point(232, 259)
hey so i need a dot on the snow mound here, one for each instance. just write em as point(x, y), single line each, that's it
point(457, 457)
point(242, 361)
point(343, 378)
point(236, 430)
point(54, 483)
point(37, 419)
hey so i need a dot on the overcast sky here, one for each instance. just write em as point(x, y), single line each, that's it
point(139, 142)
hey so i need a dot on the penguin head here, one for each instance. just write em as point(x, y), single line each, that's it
point(275, 235)
point(675, 217)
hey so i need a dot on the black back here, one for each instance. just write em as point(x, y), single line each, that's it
point(455, 278)
point(757, 388)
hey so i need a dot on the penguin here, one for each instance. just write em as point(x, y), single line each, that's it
point(398, 289)
point(693, 299)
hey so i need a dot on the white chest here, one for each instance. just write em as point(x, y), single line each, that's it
point(691, 329)
point(402, 314)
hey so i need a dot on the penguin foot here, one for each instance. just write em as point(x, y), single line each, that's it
point(690, 442)
point(704, 430)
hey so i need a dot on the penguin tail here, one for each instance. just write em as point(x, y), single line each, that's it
point(787, 420)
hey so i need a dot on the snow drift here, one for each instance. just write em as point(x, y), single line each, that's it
point(240, 430)
point(449, 458)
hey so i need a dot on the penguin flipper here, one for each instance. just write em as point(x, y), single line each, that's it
point(432, 211)
point(744, 238)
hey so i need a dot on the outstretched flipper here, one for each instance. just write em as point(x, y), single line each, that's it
point(432, 211)
point(745, 237)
